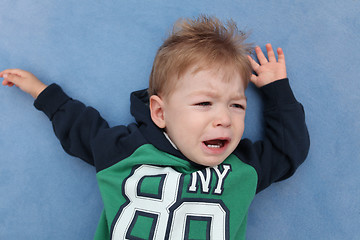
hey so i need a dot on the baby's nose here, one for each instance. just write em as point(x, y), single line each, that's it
point(222, 118)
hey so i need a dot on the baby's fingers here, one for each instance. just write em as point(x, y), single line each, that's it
point(7, 83)
point(260, 55)
point(281, 56)
point(18, 72)
point(11, 79)
point(270, 53)
point(253, 63)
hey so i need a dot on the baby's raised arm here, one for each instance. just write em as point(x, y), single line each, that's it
point(269, 70)
point(76, 125)
point(26, 81)
point(285, 144)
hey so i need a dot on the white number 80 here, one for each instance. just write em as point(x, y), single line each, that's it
point(171, 216)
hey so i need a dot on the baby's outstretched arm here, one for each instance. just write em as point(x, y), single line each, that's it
point(269, 70)
point(76, 125)
point(26, 81)
point(286, 140)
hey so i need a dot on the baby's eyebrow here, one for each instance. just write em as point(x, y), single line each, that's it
point(213, 94)
point(204, 92)
point(207, 93)
point(240, 97)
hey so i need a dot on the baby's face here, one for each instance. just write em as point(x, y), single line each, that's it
point(204, 116)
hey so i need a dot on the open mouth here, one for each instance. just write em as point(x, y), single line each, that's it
point(216, 143)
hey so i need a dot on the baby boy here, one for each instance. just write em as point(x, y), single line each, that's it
point(183, 171)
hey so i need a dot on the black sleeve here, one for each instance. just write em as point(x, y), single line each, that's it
point(75, 125)
point(286, 142)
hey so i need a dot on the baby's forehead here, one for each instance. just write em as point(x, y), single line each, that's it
point(207, 79)
point(224, 73)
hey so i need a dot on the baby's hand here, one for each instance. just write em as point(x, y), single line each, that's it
point(26, 81)
point(270, 70)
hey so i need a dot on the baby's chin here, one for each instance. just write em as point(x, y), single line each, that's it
point(209, 162)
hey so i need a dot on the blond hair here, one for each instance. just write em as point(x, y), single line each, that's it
point(202, 42)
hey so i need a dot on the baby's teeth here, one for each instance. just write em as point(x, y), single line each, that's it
point(213, 146)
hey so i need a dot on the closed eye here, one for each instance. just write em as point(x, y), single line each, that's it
point(238, 106)
point(204, 104)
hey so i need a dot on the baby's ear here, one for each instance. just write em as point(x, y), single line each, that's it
point(157, 111)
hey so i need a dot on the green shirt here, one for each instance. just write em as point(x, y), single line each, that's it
point(164, 197)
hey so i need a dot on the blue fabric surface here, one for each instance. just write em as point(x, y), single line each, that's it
point(100, 51)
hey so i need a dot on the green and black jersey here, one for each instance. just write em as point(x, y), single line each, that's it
point(151, 190)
